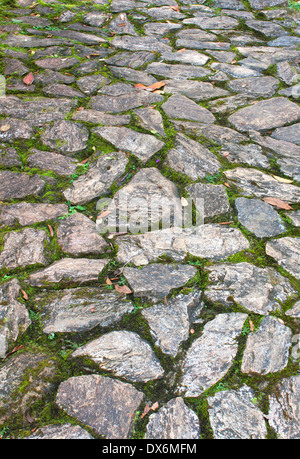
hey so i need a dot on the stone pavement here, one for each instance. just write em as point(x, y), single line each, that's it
point(174, 333)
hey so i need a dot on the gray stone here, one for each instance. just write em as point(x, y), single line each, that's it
point(48, 160)
point(62, 90)
point(268, 28)
point(94, 18)
point(104, 404)
point(80, 309)
point(179, 106)
point(283, 408)
point(137, 76)
point(267, 349)
point(66, 136)
point(214, 196)
point(130, 60)
point(162, 13)
point(91, 83)
point(227, 105)
point(259, 290)
point(156, 281)
point(68, 271)
point(60, 432)
point(77, 235)
point(255, 86)
point(259, 218)
point(219, 22)
point(125, 354)
point(215, 242)
point(250, 154)
point(98, 179)
point(235, 71)
point(131, 43)
point(17, 129)
point(191, 158)
point(174, 421)
point(141, 145)
point(14, 66)
point(23, 248)
point(294, 311)
point(57, 63)
point(25, 213)
point(255, 183)
point(96, 117)
point(295, 217)
point(265, 115)
point(286, 72)
point(13, 314)
point(17, 398)
point(151, 120)
point(9, 157)
point(121, 25)
point(184, 56)
point(170, 323)
point(233, 415)
point(177, 71)
point(195, 90)
point(210, 356)
point(260, 4)
point(219, 134)
point(286, 252)
point(288, 134)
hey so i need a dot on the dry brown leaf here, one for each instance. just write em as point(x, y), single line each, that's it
point(225, 223)
point(154, 406)
point(5, 127)
point(104, 213)
point(24, 294)
point(226, 153)
point(123, 289)
point(146, 411)
point(108, 281)
point(227, 184)
point(278, 203)
point(15, 349)
point(181, 50)
point(192, 331)
point(50, 230)
point(251, 325)
point(28, 79)
point(175, 8)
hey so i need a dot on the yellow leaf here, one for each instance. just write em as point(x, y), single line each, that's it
point(282, 180)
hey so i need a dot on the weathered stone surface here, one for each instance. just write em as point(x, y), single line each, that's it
point(104, 404)
point(295, 217)
point(255, 183)
point(233, 415)
point(288, 133)
point(250, 154)
point(68, 271)
point(91, 83)
point(286, 252)
point(98, 180)
point(177, 71)
point(131, 60)
point(185, 56)
point(208, 241)
point(256, 86)
point(96, 117)
point(17, 129)
point(214, 198)
point(174, 421)
point(25, 213)
point(170, 323)
point(77, 235)
point(141, 145)
point(283, 412)
point(17, 397)
point(62, 90)
point(179, 106)
point(148, 199)
point(48, 160)
point(259, 218)
point(266, 114)
point(57, 63)
point(137, 76)
point(13, 314)
point(23, 248)
point(156, 281)
point(81, 309)
point(267, 349)
point(210, 356)
point(259, 290)
point(66, 136)
point(9, 157)
point(191, 158)
point(125, 354)
point(151, 120)
point(140, 43)
point(60, 432)
point(294, 311)
point(195, 90)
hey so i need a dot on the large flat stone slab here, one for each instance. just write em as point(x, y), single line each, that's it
point(15, 185)
point(25, 213)
point(181, 107)
point(106, 405)
point(286, 252)
point(125, 354)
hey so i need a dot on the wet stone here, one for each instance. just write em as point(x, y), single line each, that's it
point(233, 415)
point(173, 421)
point(260, 290)
point(210, 356)
point(259, 218)
point(156, 281)
point(104, 404)
point(80, 309)
point(267, 349)
point(170, 323)
point(286, 252)
point(125, 354)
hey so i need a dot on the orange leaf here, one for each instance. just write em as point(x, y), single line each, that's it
point(146, 410)
point(28, 79)
point(278, 203)
point(122, 289)
point(251, 325)
point(104, 213)
point(24, 294)
point(140, 85)
point(50, 230)
point(175, 8)
point(108, 281)
point(154, 406)
point(158, 85)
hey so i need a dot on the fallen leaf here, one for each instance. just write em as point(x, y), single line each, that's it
point(278, 203)
point(24, 294)
point(15, 349)
point(122, 24)
point(29, 418)
point(122, 289)
point(165, 301)
point(152, 87)
point(251, 325)
point(192, 331)
point(227, 184)
point(181, 50)
point(175, 8)
point(146, 411)
point(184, 202)
point(282, 180)
point(5, 127)
point(225, 223)
point(108, 281)
point(154, 406)
point(93, 310)
point(28, 79)
point(104, 214)
point(226, 153)
point(50, 230)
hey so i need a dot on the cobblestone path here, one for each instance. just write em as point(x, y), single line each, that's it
point(170, 332)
